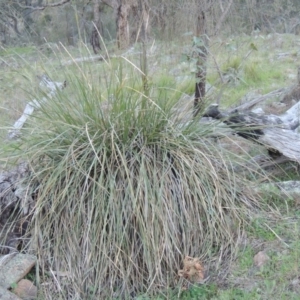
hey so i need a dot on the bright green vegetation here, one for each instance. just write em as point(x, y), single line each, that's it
point(130, 189)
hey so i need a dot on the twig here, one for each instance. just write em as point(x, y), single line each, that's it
point(223, 16)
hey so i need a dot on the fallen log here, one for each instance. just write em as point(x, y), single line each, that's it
point(91, 58)
point(283, 141)
point(45, 83)
point(99, 57)
point(276, 133)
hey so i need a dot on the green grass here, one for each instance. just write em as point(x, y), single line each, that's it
point(259, 229)
point(277, 279)
point(16, 51)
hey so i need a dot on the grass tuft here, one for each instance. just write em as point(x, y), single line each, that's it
point(125, 189)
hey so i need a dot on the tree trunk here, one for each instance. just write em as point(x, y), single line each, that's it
point(201, 43)
point(95, 37)
point(122, 25)
point(121, 8)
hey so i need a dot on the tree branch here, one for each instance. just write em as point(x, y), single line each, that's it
point(45, 6)
point(222, 18)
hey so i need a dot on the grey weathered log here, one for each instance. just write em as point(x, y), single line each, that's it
point(45, 83)
point(15, 268)
point(276, 133)
point(100, 57)
point(289, 188)
point(16, 203)
point(91, 58)
point(13, 190)
point(7, 295)
point(284, 141)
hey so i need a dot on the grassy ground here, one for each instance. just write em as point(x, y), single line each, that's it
point(254, 65)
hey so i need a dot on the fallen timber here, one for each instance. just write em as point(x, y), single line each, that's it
point(277, 133)
point(51, 87)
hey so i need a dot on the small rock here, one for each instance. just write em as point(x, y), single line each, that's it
point(15, 269)
point(26, 290)
point(258, 111)
point(295, 281)
point(260, 259)
point(7, 295)
point(295, 285)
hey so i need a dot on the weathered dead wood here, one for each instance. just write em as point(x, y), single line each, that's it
point(99, 57)
point(14, 267)
point(276, 133)
point(7, 295)
point(91, 58)
point(13, 190)
point(37, 7)
point(52, 87)
point(16, 204)
point(250, 121)
point(284, 141)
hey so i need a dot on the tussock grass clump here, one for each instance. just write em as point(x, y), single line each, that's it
point(232, 63)
point(126, 191)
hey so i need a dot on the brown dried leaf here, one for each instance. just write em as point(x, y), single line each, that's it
point(192, 269)
point(261, 259)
